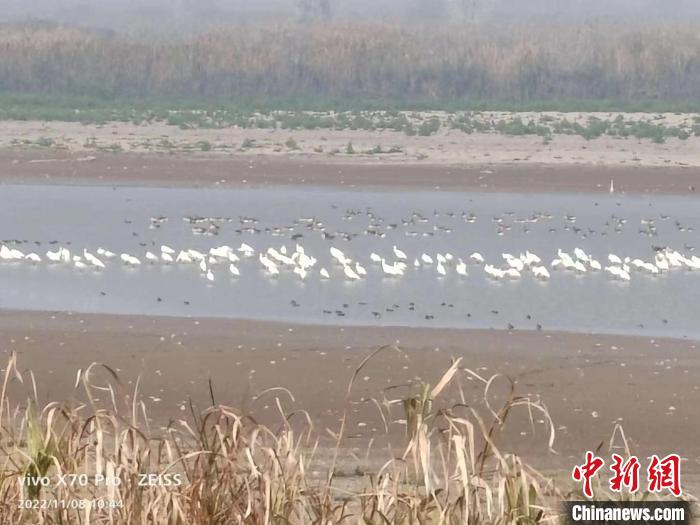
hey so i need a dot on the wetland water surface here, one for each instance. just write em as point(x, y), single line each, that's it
point(137, 219)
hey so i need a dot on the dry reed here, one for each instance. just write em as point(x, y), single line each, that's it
point(517, 62)
point(231, 470)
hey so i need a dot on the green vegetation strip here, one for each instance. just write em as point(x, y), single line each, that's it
point(416, 118)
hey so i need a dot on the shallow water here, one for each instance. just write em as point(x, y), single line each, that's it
point(120, 219)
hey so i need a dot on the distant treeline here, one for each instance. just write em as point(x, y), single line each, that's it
point(431, 61)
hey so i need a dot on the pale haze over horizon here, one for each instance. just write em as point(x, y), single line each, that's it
point(198, 14)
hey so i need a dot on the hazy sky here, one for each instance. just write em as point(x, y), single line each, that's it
point(120, 14)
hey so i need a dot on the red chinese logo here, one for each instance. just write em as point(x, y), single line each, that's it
point(665, 474)
point(586, 471)
point(626, 474)
point(662, 474)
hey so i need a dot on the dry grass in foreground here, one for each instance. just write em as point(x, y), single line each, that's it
point(235, 471)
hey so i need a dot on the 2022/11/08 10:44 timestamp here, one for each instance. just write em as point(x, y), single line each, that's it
point(73, 503)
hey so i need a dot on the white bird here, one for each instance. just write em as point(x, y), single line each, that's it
point(516, 264)
point(33, 257)
point(693, 263)
point(167, 249)
point(360, 269)
point(461, 267)
point(105, 253)
point(203, 265)
point(53, 256)
point(674, 258)
point(152, 257)
point(440, 268)
point(651, 268)
point(93, 260)
point(440, 258)
point(350, 273)
point(531, 258)
point(580, 255)
point(64, 255)
point(661, 262)
point(637, 263)
point(167, 257)
point(477, 257)
point(566, 260)
point(540, 272)
point(246, 249)
point(300, 272)
point(339, 256)
point(183, 257)
point(594, 264)
point(416, 263)
point(129, 259)
point(195, 255)
point(305, 261)
point(234, 271)
point(494, 272)
point(8, 254)
point(391, 269)
point(512, 273)
point(614, 259)
point(375, 258)
point(270, 266)
point(616, 271)
point(427, 259)
point(280, 257)
point(324, 273)
point(210, 276)
point(221, 251)
point(398, 253)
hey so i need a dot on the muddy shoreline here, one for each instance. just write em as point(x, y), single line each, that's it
point(589, 383)
point(21, 166)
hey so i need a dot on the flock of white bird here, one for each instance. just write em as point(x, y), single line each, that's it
point(274, 260)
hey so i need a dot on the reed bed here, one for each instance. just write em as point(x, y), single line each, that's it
point(219, 467)
point(363, 59)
